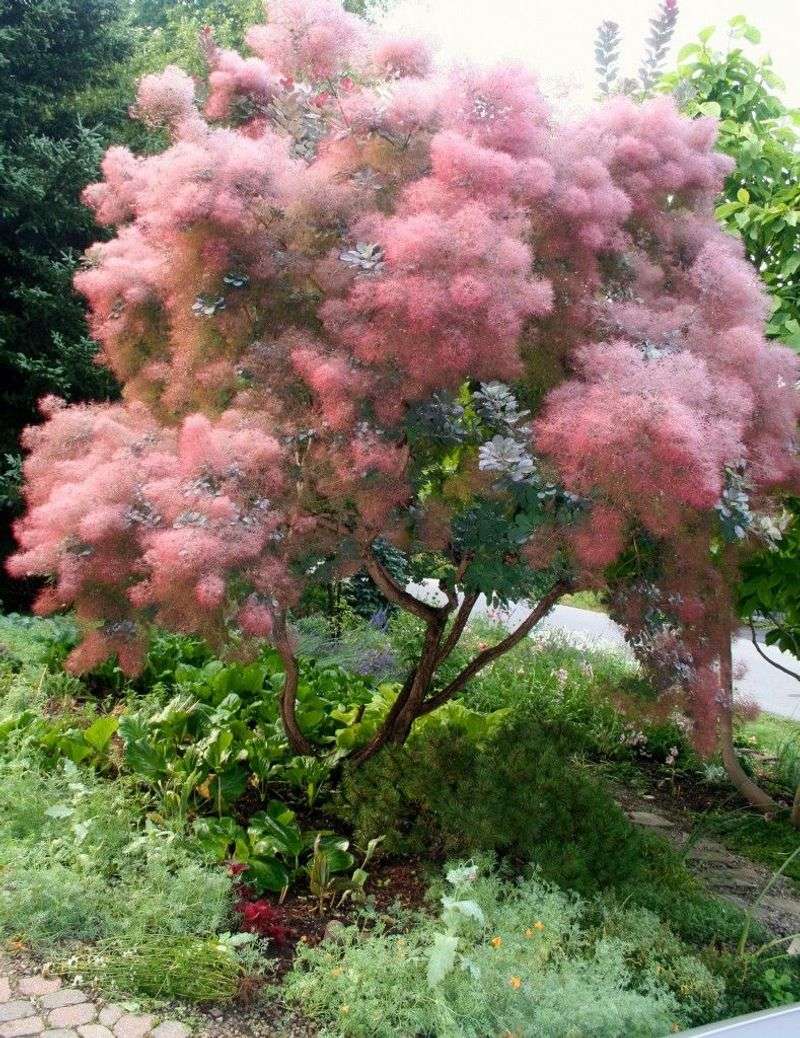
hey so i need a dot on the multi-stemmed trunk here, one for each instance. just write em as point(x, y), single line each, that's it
point(416, 696)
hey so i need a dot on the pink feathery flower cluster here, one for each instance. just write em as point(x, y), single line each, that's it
point(339, 234)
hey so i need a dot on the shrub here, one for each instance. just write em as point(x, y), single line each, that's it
point(357, 298)
point(502, 957)
point(78, 863)
point(518, 793)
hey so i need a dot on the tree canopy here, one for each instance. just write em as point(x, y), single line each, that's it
point(354, 299)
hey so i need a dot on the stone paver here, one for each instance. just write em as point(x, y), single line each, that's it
point(50, 1010)
point(39, 985)
point(65, 997)
point(16, 1010)
point(110, 1014)
point(73, 1016)
point(171, 1029)
point(132, 1026)
point(17, 1028)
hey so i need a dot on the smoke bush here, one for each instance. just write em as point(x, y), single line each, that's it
point(339, 237)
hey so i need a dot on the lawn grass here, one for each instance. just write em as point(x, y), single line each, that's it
point(584, 600)
point(769, 731)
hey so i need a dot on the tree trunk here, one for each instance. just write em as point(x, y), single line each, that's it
point(794, 817)
point(750, 790)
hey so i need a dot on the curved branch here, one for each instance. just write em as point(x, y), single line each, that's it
point(387, 585)
point(460, 622)
point(763, 655)
point(406, 706)
point(299, 743)
point(543, 606)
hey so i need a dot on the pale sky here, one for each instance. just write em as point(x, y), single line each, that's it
point(556, 37)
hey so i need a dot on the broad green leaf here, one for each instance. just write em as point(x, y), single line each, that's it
point(711, 108)
point(441, 958)
point(100, 731)
point(267, 874)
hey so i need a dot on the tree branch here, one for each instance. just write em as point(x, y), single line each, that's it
point(460, 622)
point(299, 743)
point(387, 585)
point(484, 658)
point(763, 655)
point(406, 706)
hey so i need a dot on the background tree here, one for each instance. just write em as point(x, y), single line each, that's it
point(51, 51)
point(353, 300)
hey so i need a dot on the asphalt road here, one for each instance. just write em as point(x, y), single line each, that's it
point(770, 688)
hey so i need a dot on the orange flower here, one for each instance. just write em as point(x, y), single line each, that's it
point(515, 983)
point(496, 942)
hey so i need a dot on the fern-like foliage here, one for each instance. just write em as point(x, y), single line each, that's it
point(606, 55)
point(662, 29)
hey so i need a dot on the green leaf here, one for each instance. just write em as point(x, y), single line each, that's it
point(743, 195)
point(441, 958)
point(228, 785)
point(268, 874)
point(705, 34)
point(711, 108)
point(268, 836)
point(687, 50)
point(99, 733)
point(790, 265)
point(215, 836)
point(751, 34)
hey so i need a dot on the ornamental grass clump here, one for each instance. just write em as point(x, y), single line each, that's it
point(359, 298)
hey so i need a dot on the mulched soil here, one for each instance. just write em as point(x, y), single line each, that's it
point(390, 883)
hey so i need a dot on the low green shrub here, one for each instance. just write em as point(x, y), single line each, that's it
point(502, 958)
point(653, 949)
point(79, 861)
point(518, 794)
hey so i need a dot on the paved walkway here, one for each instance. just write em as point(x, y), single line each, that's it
point(32, 1004)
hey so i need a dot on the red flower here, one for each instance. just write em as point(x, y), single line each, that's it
point(263, 918)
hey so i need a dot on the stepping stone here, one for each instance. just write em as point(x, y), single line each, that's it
point(67, 997)
point(5, 989)
point(60, 1032)
point(649, 819)
point(16, 1010)
point(39, 985)
point(95, 1031)
point(110, 1014)
point(171, 1029)
point(18, 1028)
point(132, 1026)
point(73, 1016)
